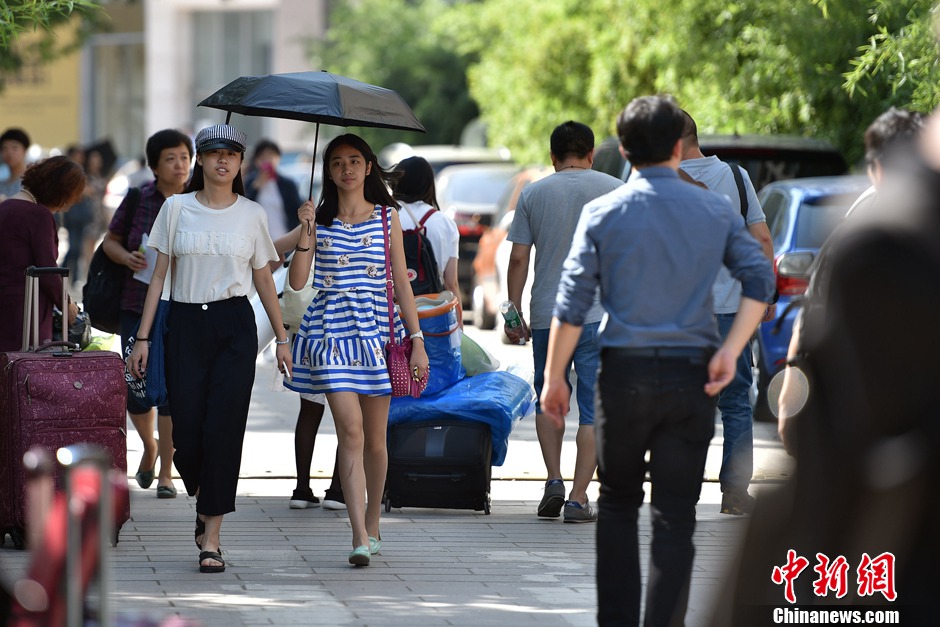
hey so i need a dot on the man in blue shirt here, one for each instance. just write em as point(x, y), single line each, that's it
point(654, 247)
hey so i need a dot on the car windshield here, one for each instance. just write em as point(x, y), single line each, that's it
point(477, 186)
point(818, 217)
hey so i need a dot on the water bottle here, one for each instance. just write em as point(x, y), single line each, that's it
point(513, 321)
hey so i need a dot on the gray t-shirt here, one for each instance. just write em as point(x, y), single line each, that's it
point(546, 217)
point(717, 176)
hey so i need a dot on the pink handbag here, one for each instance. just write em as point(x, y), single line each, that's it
point(398, 355)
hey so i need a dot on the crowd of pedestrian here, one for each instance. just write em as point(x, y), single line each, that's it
point(651, 289)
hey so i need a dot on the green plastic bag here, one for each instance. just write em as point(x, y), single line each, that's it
point(474, 358)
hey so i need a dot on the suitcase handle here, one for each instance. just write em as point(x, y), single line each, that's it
point(35, 272)
point(59, 344)
point(31, 308)
point(456, 477)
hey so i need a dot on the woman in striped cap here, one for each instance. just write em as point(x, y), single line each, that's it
point(220, 248)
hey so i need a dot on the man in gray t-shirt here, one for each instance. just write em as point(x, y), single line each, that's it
point(734, 403)
point(546, 217)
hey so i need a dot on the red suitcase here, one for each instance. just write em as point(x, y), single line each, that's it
point(55, 397)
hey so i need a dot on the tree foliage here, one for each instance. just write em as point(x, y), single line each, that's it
point(396, 44)
point(18, 17)
point(899, 63)
point(817, 68)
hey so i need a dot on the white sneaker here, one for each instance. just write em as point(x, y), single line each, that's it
point(334, 505)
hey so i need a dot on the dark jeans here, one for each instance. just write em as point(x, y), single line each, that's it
point(654, 404)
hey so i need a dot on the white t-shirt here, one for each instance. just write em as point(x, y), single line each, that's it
point(215, 249)
point(717, 176)
point(441, 230)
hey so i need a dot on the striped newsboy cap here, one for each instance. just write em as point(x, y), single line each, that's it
point(220, 136)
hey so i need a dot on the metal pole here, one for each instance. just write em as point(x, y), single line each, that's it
point(313, 167)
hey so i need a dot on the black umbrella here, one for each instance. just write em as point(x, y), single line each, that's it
point(319, 97)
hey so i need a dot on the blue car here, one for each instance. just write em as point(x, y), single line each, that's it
point(801, 213)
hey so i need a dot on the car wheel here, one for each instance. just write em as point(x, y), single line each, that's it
point(762, 411)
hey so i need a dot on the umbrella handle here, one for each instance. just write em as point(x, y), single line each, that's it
point(313, 167)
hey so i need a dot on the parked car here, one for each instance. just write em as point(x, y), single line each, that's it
point(767, 158)
point(442, 156)
point(490, 266)
point(468, 193)
point(801, 213)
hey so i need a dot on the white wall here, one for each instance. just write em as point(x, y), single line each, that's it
point(169, 56)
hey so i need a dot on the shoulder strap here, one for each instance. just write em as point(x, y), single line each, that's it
point(742, 192)
point(133, 199)
point(387, 235)
point(426, 216)
point(175, 209)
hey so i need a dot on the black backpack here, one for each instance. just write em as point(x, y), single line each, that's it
point(423, 270)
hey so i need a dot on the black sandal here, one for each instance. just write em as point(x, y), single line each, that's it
point(211, 555)
point(200, 531)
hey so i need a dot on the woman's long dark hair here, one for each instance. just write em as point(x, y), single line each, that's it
point(413, 181)
point(198, 181)
point(375, 189)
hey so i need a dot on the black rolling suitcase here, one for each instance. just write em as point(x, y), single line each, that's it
point(443, 463)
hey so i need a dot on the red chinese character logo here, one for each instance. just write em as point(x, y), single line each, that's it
point(788, 573)
point(831, 577)
point(877, 575)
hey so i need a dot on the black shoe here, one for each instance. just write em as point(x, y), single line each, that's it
point(302, 499)
point(737, 503)
point(334, 500)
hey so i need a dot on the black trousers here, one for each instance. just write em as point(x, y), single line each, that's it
point(655, 404)
point(210, 368)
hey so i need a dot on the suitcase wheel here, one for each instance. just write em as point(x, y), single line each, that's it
point(17, 535)
point(486, 504)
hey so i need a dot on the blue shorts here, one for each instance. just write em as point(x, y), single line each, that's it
point(586, 360)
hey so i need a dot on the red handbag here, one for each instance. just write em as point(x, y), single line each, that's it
point(398, 354)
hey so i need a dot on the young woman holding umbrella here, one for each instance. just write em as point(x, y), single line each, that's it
point(220, 247)
point(340, 349)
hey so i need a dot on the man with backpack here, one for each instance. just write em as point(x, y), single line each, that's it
point(737, 459)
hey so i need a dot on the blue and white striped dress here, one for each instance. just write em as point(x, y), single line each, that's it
point(341, 343)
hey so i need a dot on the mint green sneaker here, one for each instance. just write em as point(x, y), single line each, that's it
point(360, 556)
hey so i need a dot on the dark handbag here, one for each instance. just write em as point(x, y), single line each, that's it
point(151, 388)
point(79, 331)
point(398, 355)
point(101, 296)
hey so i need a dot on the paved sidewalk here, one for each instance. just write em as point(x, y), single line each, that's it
point(437, 567)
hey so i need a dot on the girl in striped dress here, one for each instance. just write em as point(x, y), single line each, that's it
point(340, 348)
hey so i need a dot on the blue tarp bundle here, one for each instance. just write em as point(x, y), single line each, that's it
point(499, 399)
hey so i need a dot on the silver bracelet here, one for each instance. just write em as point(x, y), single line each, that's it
point(281, 343)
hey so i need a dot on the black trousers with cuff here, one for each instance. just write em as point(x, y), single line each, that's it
point(210, 369)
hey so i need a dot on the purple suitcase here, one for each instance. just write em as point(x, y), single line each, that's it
point(55, 397)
